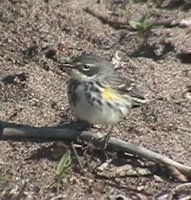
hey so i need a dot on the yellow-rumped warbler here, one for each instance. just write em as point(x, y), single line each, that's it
point(97, 94)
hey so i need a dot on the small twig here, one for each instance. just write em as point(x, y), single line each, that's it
point(18, 131)
point(106, 18)
point(120, 145)
point(184, 186)
point(77, 158)
point(73, 131)
point(122, 21)
point(60, 196)
point(176, 174)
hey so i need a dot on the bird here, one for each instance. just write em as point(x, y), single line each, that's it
point(97, 93)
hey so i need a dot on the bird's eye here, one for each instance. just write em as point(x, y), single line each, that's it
point(86, 67)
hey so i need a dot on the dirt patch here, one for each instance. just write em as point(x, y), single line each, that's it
point(33, 93)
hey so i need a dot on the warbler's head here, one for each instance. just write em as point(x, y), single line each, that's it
point(89, 67)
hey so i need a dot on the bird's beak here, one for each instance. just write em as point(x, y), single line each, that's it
point(66, 65)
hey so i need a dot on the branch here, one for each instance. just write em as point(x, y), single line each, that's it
point(120, 145)
point(18, 131)
point(122, 21)
point(106, 18)
point(73, 131)
point(179, 188)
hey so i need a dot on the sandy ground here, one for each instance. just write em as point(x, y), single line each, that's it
point(33, 93)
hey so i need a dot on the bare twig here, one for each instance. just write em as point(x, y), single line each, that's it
point(77, 158)
point(72, 131)
point(106, 18)
point(176, 174)
point(122, 21)
point(67, 132)
point(60, 196)
point(184, 186)
point(120, 145)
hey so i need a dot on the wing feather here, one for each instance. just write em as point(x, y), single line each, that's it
point(126, 86)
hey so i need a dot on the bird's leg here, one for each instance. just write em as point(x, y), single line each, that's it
point(103, 141)
point(106, 138)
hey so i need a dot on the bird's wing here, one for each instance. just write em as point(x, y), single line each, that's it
point(126, 86)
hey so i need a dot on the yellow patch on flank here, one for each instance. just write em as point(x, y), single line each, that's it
point(109, 94)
